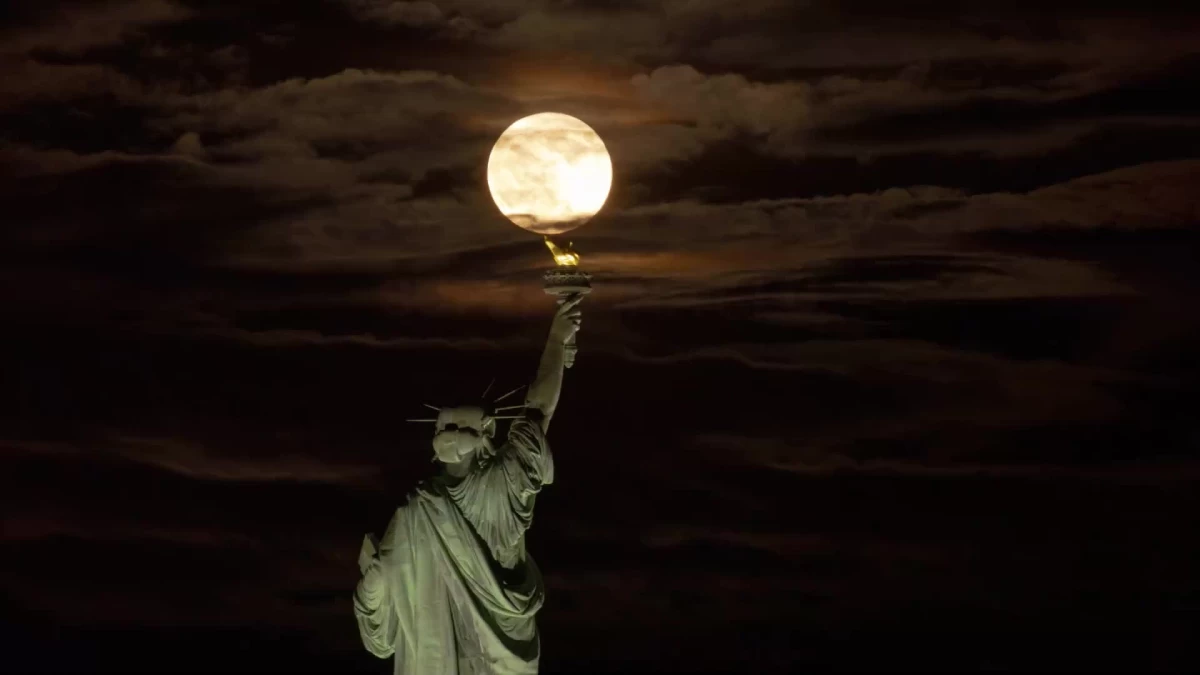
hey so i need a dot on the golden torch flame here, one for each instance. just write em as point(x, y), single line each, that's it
point(564, 258)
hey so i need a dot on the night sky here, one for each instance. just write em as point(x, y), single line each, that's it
point(888, 365)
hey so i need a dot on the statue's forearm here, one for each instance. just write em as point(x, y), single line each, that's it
point(544, 392)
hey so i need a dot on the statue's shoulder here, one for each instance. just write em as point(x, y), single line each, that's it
point(429, 488)
point(412, 499)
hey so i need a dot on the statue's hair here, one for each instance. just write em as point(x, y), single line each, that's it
point(484, 453)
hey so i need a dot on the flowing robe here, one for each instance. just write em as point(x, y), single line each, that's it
point(453, 590)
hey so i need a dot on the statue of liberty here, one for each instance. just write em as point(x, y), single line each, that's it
point(450, 587)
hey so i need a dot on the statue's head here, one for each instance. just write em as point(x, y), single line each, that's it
point(463, 433)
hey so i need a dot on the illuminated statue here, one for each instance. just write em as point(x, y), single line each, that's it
point(450, 588)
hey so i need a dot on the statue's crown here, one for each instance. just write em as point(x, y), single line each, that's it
point(476, 415)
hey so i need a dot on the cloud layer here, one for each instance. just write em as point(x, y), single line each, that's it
point(892, 335)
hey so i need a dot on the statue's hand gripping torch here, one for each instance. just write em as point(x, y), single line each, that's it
point(566, 282)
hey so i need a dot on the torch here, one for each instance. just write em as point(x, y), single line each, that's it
point(566, 281)
point(549, 173)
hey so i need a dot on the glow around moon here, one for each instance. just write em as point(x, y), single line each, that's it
point(549, 173)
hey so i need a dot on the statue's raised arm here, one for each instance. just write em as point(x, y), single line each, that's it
point(544, 392)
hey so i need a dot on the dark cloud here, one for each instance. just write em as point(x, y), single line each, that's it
point(64, 27)
point(397, 12)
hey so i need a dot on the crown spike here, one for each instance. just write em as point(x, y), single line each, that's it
point(421, 420)
point(432, 407)
point(489, 388)
point(509, 394)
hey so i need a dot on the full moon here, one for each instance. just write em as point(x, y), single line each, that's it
point(549, 173)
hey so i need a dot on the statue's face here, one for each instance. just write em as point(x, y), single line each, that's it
point(460, 432)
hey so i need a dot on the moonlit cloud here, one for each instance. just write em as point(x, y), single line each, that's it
point(196, 462)
point(727, 104)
